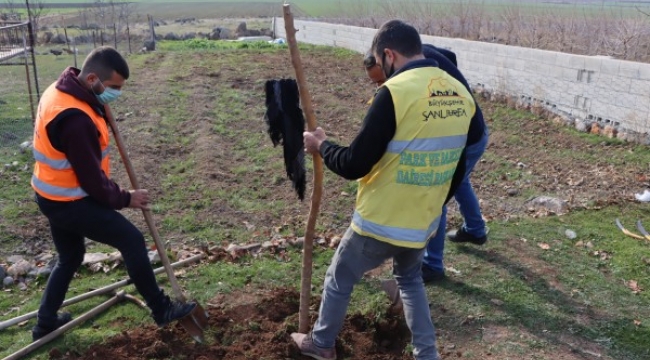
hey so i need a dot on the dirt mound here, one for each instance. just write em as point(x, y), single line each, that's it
point(258, 327)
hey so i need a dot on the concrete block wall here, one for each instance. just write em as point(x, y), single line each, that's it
point(592, 89)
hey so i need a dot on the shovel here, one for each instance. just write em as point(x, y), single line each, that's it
point(196, 321)
point(392, 290)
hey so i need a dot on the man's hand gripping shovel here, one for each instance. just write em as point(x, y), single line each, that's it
point(197, 321)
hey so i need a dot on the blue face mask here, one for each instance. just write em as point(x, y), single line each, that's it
point(109, 95)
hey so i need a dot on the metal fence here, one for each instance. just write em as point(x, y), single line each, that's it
point(19, 89)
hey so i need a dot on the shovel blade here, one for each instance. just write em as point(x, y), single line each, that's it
point(392, 290)
point(192, 328)
point(195, 323)
point(200, 316)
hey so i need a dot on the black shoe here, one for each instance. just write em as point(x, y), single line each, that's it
point(429, 275)
point(40, 331)
point(460, 236)
point(172, 310)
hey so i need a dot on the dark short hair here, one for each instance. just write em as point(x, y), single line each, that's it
point(397, 36)
point(103, 61)
point(369, 60)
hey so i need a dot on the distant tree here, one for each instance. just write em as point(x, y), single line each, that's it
point(512, 21)
point(626, 35)
point(36, 10)
point(11, 7)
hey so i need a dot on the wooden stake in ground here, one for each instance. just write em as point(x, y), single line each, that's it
point(317, 189)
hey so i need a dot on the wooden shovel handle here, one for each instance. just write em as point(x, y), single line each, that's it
point(317, 189)
point(147, 213)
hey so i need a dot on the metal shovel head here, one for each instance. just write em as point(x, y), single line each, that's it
point(392, 290)
point(189, 324)
point(200, 316)
point(195, 323)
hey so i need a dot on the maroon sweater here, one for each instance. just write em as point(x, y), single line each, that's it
point(74, 133)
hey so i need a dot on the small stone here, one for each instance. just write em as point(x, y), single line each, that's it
point(8, 281)
point(610, 131)
point(321, 241)
point(512, 192)
point(595, 129)
point(44, 272)
point(548, 203)
point(335, 242)
point(299, 241)
point(44, 257)
point(15, 259)
point(91, 258)
point(570, 234)
point(154, 258)
point(20, 268)
point(22, 286)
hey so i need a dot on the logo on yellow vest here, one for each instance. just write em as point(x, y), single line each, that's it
point(442, 87)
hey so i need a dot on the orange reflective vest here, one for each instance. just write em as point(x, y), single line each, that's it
point(53, 176)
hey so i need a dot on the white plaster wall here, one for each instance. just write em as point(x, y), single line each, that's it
point(609, 91)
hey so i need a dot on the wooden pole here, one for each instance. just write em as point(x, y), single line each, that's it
point(29, 81)
point(128, 35)
point(115, 35)
point(317, 190)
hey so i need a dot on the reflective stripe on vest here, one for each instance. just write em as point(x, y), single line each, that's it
point(400, 200)
point(61, 164)
point(441, 143)
point(58, 191)
point(390, 232)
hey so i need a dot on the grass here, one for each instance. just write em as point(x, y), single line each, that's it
point(566, 288)
point(510, 297)
point(314, 8)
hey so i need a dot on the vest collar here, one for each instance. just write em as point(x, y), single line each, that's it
point(415, 64)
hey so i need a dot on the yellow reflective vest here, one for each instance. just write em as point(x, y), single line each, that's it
point(400, 201)
point(53, 176)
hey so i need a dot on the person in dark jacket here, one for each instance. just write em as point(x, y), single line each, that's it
point(409, 150)
point(74, 190)
point(473, 229)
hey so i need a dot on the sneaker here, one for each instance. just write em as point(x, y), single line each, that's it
point(429, 275)
point(39, 331)
point(308, 348)
point(173, 310)
point(460, 236)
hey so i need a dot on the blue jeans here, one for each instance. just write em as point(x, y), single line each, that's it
point(473, 223)
point(358, 254)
